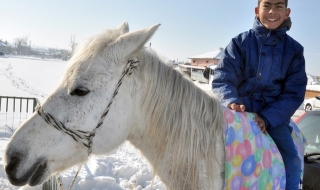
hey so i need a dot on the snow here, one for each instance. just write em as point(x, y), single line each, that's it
point(124, 168)
point(209, 55)
point(314, 87)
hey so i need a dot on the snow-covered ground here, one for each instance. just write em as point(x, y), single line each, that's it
point(124, 168)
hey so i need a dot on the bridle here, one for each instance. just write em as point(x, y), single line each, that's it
point(86, 137)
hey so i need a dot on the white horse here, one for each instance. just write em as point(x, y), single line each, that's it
point(182, 131)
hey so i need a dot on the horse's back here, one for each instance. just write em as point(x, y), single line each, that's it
point(253, 160)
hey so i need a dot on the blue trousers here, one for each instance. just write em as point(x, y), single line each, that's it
point(292, 163)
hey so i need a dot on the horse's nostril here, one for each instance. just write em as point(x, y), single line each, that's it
point(11, 169)
point(11, 166)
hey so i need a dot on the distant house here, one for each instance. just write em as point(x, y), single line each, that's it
point(313, 87)
point(198, 63)
point(312, 80)
point(2, 47)
point(209, 58)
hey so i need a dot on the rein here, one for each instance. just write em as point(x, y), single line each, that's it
point(86, 137)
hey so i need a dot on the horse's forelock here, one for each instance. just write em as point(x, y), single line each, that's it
point(88, 50)
point(91, 47)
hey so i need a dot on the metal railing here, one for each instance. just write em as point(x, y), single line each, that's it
point(12, 107)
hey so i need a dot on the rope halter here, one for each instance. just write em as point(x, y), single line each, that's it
point(85, 137)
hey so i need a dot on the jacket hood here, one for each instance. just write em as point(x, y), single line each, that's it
point(271, 37)
point(286, 23)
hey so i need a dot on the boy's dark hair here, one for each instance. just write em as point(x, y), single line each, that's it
point(285, 2)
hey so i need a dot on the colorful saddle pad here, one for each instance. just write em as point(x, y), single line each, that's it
point(253, 161)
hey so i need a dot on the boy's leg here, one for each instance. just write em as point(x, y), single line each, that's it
point(283, 139)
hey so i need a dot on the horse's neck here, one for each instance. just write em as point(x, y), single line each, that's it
point(174, 127)
point(152, 150)
point(159, 162)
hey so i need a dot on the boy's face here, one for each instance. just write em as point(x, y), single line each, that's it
point(272, 13)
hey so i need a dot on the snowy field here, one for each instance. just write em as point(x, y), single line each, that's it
point(124, 168)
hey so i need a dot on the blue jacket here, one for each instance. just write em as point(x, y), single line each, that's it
point(264, 70)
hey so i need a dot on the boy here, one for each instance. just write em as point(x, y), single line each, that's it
point(263, 71)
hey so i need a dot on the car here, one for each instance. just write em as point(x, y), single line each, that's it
point(309, 124)
point(312, 103)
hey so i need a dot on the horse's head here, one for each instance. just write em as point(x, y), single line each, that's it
point(37, 149)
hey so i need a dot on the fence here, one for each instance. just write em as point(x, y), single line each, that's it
point(52, 183)
point(13, 111)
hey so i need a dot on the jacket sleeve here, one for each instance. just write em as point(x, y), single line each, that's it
point(292, 96)
point(227, 75)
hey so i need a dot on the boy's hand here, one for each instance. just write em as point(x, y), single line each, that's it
point(260, 122)
point(237, 107)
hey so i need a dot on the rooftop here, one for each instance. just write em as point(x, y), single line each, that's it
point(209, 55)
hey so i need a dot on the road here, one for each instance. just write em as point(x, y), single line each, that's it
point(298, 113)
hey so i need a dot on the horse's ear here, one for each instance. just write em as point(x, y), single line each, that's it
point(130, 42)
point(124, 28)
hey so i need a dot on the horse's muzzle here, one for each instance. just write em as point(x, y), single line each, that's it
point(34, 176)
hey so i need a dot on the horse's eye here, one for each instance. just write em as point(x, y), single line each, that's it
point(80, 92)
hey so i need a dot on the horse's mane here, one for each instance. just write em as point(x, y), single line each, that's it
point(183, 118)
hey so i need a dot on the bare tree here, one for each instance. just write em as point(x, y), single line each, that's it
point(72, 43)
point(20, 42)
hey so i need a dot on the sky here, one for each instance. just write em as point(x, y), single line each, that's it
point(188, 27)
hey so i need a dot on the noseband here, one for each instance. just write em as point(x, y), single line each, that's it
point(85, 137)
